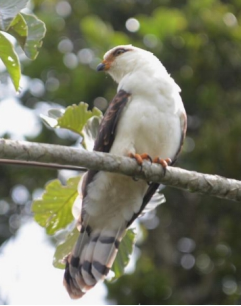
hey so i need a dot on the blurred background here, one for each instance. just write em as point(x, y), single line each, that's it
point(190, 253)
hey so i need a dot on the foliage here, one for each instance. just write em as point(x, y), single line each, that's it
point(28, 31)
point(10, 59)
point(54, 210)
point(191, 252)
point(76, 118)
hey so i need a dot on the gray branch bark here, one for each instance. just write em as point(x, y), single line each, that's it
point(38, 154)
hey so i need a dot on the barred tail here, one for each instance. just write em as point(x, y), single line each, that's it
point(91, 259)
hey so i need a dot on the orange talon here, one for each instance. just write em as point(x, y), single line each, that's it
point(137, 157)
point(145, 156)
point(140, 157)
point(168, 161)
point(164, 162)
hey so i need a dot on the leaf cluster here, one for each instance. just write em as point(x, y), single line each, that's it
point(27, 29)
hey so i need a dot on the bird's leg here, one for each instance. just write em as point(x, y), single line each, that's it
point(164, 162)
point(139, 159)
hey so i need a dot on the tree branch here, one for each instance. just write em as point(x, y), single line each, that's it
point(68, 157)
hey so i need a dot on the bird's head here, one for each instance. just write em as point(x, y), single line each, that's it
point(123, 60)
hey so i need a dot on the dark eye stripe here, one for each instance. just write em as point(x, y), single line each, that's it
point(119, 51)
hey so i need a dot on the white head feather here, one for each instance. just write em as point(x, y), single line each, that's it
point(130, 67)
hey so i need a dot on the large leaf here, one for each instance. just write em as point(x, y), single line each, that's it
point(124, 253)
point(27, 29)
point(64, 249)
point(76, 117)
point(36, 32)
point(9, 10)
point(19, 29)
point(54, 210)
point(10, 60)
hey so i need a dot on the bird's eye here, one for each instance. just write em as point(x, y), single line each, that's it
point(119, 51)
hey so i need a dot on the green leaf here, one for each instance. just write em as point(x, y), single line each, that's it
point(36, 32)
point(9, 10)
point(10, 60)
point(54, 210)
point(65, 248)
point(124, 253)
point(76, 117)
point(18, 28)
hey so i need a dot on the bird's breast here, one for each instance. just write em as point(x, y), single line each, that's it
point(149, 126)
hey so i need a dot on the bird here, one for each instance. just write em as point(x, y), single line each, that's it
point(145, 120)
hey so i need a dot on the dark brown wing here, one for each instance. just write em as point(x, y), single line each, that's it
point(107, 130)
point(108, 125)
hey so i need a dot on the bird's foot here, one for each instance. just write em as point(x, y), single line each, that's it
point(163, 162)
point(139, 159)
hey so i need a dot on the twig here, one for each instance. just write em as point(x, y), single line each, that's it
point(40, 165)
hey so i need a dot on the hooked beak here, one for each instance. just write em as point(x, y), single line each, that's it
point(100, 67)
point(104, 66)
